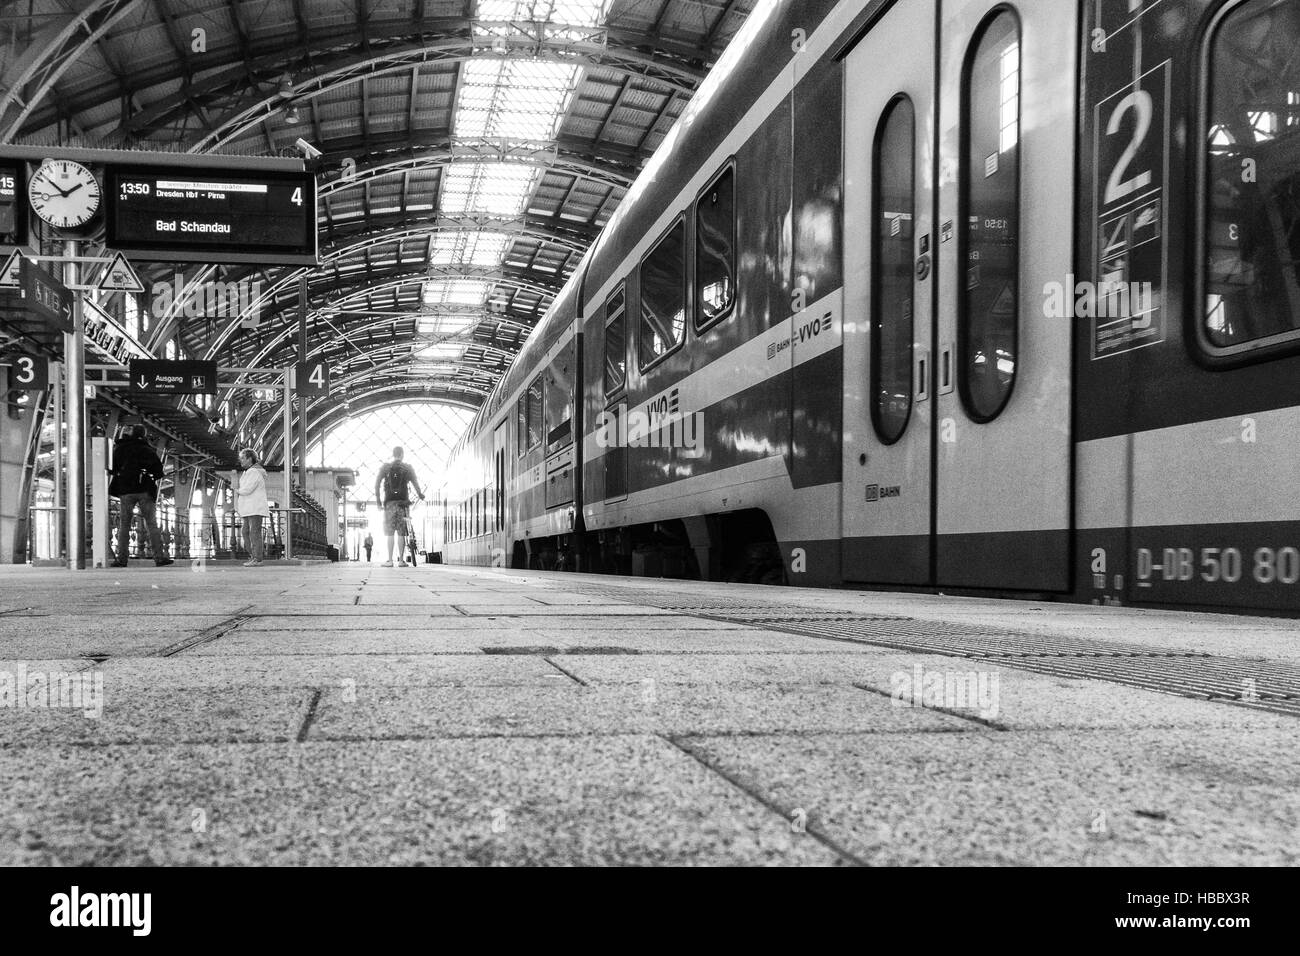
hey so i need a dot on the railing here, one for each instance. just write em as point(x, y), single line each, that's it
point(306, 525)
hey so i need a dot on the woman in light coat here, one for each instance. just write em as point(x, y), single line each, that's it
point(251, 504)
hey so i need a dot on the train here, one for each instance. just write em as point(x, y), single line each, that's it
point(965, 296)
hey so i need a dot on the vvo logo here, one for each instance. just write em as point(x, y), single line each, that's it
point(808, 331)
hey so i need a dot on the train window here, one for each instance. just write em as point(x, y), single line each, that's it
point(615, 342)
point(1250, 257)
point(989, 221)
point(663, 296)
point(891, 279)
point(559, 399)
point(521, 423)
point(535, 413)
point(715, 250)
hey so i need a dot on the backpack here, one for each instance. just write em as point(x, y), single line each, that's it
point(395, 481)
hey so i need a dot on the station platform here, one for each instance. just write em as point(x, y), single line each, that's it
point(353, 714)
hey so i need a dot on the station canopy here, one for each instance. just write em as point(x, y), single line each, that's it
point(471, 152)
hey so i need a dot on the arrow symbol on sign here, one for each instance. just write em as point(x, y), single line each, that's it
point(143, 382)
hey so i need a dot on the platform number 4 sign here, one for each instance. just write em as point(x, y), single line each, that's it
point(29, 372)
point(313, 379)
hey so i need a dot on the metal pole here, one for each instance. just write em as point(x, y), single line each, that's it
point(288, 461)
point(57, 514)
point(302, 402)
point(74, 350)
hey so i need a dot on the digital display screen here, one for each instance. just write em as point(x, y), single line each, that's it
point(13, 203)
point(211, 215)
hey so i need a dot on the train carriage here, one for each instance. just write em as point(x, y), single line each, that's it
point(968, 295)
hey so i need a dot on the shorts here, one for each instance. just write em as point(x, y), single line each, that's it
point(396, 514)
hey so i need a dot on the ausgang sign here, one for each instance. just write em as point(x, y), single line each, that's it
point(173, 378)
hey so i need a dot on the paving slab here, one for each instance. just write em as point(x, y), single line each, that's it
point(325, 643)
point(577, 801)
point(692, 641)
point(1055, 798)
point(65, 635)
point(247, 671)
point(372, 622)
point(545, 610)
point(150, 714)
point(405, 712)
point(1012, 698)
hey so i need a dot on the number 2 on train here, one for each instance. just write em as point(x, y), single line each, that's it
point(1117, 188)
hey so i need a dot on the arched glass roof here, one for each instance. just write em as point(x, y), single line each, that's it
point(471, 152)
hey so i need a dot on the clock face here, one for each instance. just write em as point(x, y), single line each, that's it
point(63, 193)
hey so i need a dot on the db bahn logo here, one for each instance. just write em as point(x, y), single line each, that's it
point(876, 492)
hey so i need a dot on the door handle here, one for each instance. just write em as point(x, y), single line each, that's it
point(945, 369)
point(922, 374)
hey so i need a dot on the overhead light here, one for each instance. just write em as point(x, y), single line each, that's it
point(292, 115)
point(286, 86)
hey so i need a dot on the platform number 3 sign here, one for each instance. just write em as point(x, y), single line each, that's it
point(30, 373)
point(313, 379)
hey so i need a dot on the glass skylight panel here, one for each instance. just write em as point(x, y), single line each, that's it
point(516, 99)
point(587, 13)
point(441, 352)
point(495, 189)
point(461, 248)
point(455, 292)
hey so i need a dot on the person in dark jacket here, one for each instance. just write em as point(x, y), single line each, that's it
point(136, 470)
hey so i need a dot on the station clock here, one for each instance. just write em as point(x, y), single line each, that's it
point(64, 193)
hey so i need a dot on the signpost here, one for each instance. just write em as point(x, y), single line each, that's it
point(173, 378)
point(46, 297)
point(13, 203)
point(214, 215)
point(312, 379)
point(29, 371)
point(119, 277)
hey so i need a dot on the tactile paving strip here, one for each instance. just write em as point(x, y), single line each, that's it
point(1259, 684)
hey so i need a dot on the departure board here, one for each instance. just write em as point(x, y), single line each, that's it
point(211, 215)
point(13, 203)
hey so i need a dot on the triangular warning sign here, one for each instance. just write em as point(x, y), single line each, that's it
point(9, 274)
point(1002, 305)
point(119, 277)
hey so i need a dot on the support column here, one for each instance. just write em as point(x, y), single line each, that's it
point(100, 535)
point(302, 401)
point(74, 352)
point(287, 457)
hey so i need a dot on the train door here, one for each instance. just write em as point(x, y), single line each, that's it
point(1007, 96)
point(888, 314)
point(500, 444)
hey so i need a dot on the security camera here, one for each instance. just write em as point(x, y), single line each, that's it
point(307, 149)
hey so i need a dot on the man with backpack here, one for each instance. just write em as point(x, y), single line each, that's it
point(136, 470)
point(392, 481)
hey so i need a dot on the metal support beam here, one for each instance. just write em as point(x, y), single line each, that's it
point(286, 461)
point(302, 401)
point(74, 350)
